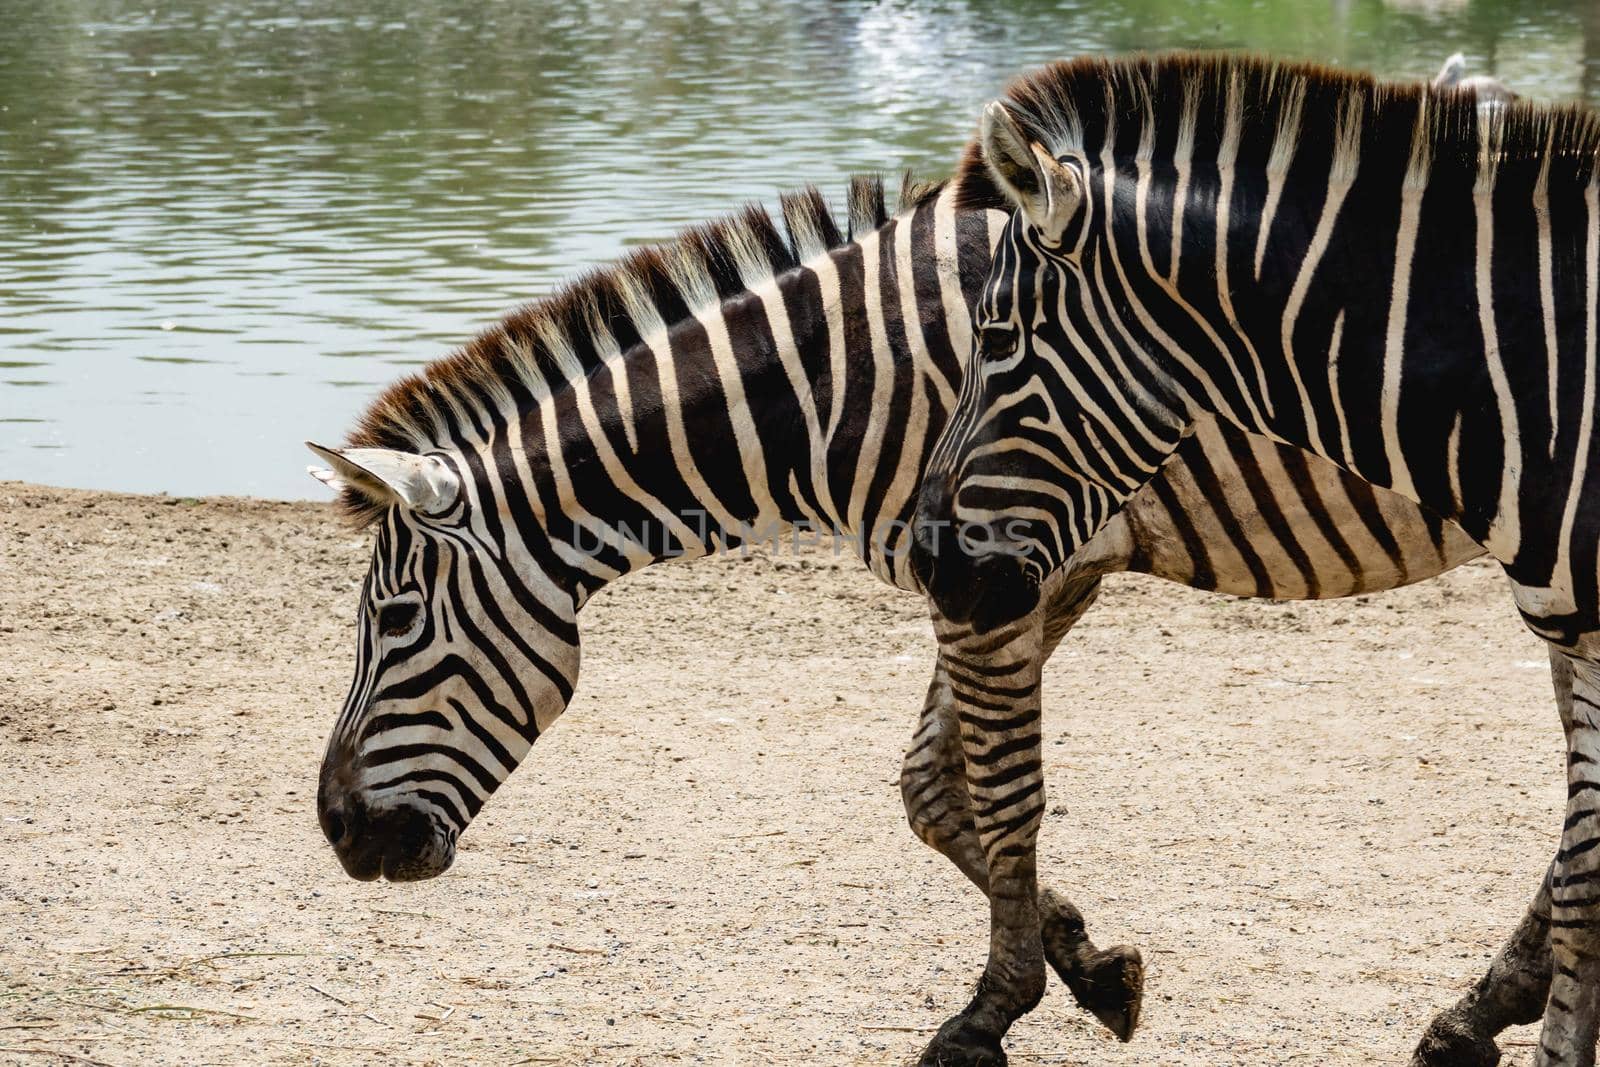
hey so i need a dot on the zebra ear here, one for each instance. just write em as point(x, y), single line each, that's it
point(384, 476)
point(327, 478)
point(1450, 75)
point(1046, 191)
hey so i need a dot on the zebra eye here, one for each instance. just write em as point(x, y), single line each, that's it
point(395, 620)
point(1000, 344)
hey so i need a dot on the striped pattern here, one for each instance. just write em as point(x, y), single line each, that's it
point(1388, 277)
point(751, 373)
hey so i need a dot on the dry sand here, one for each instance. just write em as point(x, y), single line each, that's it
point(1316, 820)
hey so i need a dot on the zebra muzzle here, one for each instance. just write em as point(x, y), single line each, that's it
point(987, 590)
point(398, 842)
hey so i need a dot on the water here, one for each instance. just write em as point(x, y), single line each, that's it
point(225, 223)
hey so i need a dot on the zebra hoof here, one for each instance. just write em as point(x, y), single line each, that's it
point(1449, 1042)
point(957, 1044)
point(1111, 988)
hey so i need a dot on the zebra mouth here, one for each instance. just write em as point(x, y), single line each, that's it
point(401, 844)
point(1002, 593)
point(416, 866)
point(362, 867)
point(986, 592)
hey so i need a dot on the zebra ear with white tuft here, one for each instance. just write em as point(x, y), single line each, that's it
point(1450, 75)
point(327, 478)
point(423, 484)
point(1492, 93)
point(1046, 191)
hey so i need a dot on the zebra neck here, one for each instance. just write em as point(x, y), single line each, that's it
point(1471, 314)
point(798, 412)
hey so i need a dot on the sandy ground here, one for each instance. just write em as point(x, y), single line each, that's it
point(1316, 820)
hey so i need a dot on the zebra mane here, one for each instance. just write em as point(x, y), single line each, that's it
point(540, 347)
point(1073, 106)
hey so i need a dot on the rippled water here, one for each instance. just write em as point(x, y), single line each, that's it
point(225, 223)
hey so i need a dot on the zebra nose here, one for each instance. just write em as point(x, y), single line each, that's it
point(339, 820)
point(333, 827)
point(346, 826)
point(973, 583)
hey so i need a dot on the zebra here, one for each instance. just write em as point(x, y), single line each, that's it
point(500, 481)
point(1386, 276)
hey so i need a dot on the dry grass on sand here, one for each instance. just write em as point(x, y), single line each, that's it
point(1316, 820)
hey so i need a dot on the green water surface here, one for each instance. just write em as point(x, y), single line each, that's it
point(225, 223)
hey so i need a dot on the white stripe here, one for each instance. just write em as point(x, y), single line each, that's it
point(622, 479)
point(1342, 174)
point(997, 221)
point(882, 371)
point(1452, 460)
point(1547, 301)
point(1141, 197)
point(1334, 343)
point(612, 356)
point(678, 435)
point(555, 461)
point(1411, 190)
point(1227, 158)
point(532, 573)
point(746, 440)
point(1505, 531)
point(827, 271)
point(908, 472)
point(947, 265)
point(1182, 160)
point(1284, 142)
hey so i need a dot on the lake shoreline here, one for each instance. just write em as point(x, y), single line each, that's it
point(25, 487)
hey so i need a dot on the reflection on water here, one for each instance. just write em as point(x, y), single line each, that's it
point(223, 223)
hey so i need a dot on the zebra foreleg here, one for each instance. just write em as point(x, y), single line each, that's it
point(1573, 1010)
point(1108, 983)
point(1517, 984)
point(994, 682)
point(1514, 990)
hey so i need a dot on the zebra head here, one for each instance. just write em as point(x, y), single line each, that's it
point(465, 650)
point(1010, 491)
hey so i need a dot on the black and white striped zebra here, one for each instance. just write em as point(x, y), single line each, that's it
point(636, 399)
point(1386, 276)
